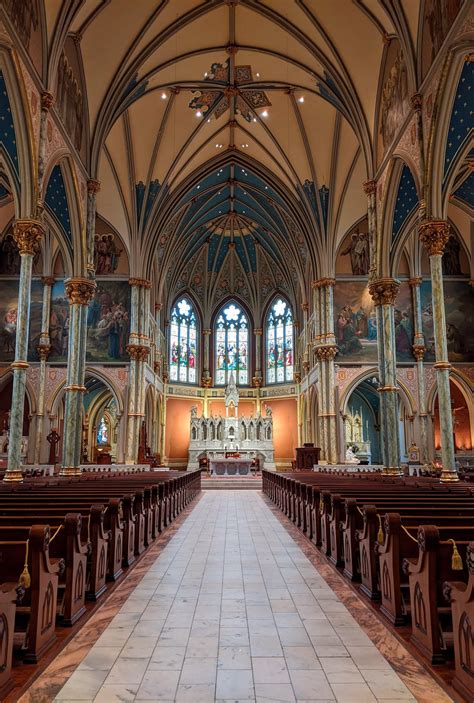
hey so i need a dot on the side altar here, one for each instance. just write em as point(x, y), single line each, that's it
point(231, 443)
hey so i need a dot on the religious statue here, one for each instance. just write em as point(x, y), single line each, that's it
point(268, 411)
point(351, 457)
point(53, 439)
point(106, 254)
point(194, 412)
point(358, 250)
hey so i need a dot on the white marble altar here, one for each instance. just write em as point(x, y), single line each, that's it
point(214, 437)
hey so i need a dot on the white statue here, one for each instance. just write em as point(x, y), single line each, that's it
point(351, 457)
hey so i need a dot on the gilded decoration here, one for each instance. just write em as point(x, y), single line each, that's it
point(370, 187)
point(434, 235)
point(43, 351)
point(326, 352)
point(138, 352)
point(27, 235)
point(419, 351)
point(79, 291)
point(384, 291)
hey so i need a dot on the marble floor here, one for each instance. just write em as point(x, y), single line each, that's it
point(233, 610)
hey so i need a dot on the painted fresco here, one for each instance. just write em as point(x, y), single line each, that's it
point(9, 317)
point(459, 306)
point(108, 323)
point(394, 95)
point(355, 323)
point(438, 18)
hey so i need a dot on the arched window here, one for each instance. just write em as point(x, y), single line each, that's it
point(232, 345)
point(279, 342)
point(183, 342)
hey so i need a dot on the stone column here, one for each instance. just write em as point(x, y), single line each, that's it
point(434, 235)
point(93, 187)
point(384, 293)
point(138, 349)
point(79, 292)
point(27, 235)
point(326, 351)
point(206, 380)
point(370, 189)
point(47, 101)
point(419, 353)
point(258, 332)
point(43, 350)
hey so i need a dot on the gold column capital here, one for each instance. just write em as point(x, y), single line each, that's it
point(257, 382)
point(384, 291)
point(93, 186)
point(207, 332)
point(206, 381)
point(326, 352)
point(323, 282)
point(137, 352)
point(419, 351)
point(140, 282)
point(415, 281)
point(43, 351)
point(434, 235)
point(47, 280)
point(79, 291)
point(258, 331)
point(28, 235)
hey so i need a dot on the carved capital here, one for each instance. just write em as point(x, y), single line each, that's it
point(326, 352)
point(79, 291)
point(434, 235)
point(47, 280)
point(416, 101)
point(419, 351)
point(43, 351)
point(140, 282)
point(258, 331)
point(206, 381)
point(257, 382)
point(207, 332)
point(27, 235)
point(158, 307)
point(93, 186)
point(323, 283)
point(416, 281)
point(384, 291)
point(47, 100)
point(369, 187)
point(138, 352)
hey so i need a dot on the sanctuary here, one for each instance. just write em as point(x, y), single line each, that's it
point(231, 444)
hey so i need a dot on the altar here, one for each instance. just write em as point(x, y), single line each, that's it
point(231, 443)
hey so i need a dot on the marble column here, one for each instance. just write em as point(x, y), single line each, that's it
point(43, 349)
point(79, 292)
point(93, 187)
point(47, 101)
point(206, 380)
point(370, 189)
point(384, 293)
point(27, 235)
point(419, 353)
point(138, 349)
point(434, 235)
point(258, 332)
point(326, 351)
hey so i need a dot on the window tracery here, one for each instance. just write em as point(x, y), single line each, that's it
point(279, 338)
point(183, 342)
point(231, 345)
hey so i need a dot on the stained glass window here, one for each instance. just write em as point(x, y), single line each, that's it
point(279, 343)
point(232, 345)
point(183, 342)
point(102, 432)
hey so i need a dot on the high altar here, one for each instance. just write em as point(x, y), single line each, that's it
point(231, 443)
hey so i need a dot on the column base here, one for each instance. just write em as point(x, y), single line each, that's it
point(13, 476)
point(394, 471)
point(68, 471)
point(449, 476)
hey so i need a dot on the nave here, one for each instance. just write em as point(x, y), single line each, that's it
point(236, 607)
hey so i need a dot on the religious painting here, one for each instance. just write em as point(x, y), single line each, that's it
point(9, 319)
point(355, 323)
point(459, 307)
point(107, 252)
point(231, 345)
point(452, 257)
point(393, 95)
point(279, 342)
point(108, 324)
point(183, 343)
point(69, 100)
point(25, 16)
point(10, 259)
point(438, 18)
point(358, 251)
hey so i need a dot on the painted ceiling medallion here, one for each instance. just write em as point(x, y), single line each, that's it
point(246, 99)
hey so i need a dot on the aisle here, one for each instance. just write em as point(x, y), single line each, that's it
point(232, 610)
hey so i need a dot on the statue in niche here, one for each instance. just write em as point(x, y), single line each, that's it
point(106, 254)
point(358, 250)
point(451, 261)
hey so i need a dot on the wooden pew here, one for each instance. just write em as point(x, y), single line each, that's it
point(10, 595)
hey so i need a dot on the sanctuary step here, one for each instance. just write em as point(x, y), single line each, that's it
point(232, 483)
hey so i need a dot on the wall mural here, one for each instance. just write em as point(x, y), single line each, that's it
point(394, 95)
point(355, 323)
point(108, 322)
point(459, 306)
point(9, 315)
point(439, 16)
point(106, 254)
point(358, 251)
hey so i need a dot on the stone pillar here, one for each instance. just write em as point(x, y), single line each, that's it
point(419, 353)
point(138, 349)
point(326, 351)
point(93, 187)
point(79, 292)
point(43, 350)
point(370, 189)
point(47, 101)
point(206, 379)
point(434, 235)
point(27, 235)
point(384, 293)
point(258, 332)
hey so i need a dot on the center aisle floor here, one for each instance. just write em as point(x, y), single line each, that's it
point(232, 610)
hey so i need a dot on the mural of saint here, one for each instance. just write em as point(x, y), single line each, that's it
point(9, 319)
point(459, 307)
point(25, 16)
point(394, 103)
point(358, 250)
point(439, 16)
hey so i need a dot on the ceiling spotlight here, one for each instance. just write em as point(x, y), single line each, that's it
point(199, 113)
point(163, 96)
point(257, 75)
point(209, 119)
point(254, 119)
point(264, 113)
point(205, 74)
point(198, 187)
point(301, 99)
